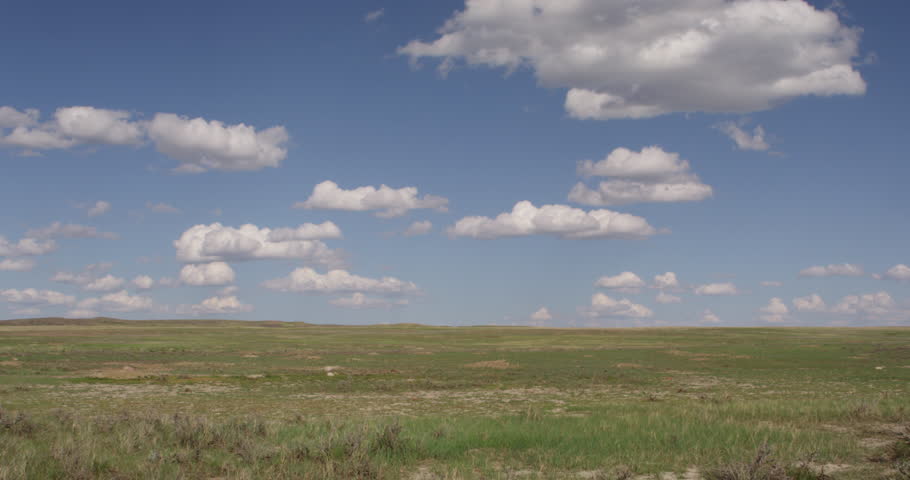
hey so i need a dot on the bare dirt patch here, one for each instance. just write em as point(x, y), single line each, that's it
point(494, 364)
point(628, 365)
point(129, 372)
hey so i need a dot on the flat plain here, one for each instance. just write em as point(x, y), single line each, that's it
point(108, 398)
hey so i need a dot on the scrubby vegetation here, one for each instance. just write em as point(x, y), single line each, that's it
point(234, 400)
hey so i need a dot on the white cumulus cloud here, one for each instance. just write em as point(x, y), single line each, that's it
point(213, 273)
point(743, 139)
point(542, 315)
point(386, 201)
point(624, 282)
point(560, 220)
point(202, 145)
point(870, 304)
point(899, 272)
point(307, 231)
point(217, 305)
point(651, 175)
point(776, 311)
point(143, 282)
point(120, 302)
point(666, 280)
point(631, 59)
point(26, 247)
point(307, 280)
point(216, 242)
point(709, 317)
point(810, 303)
point(604, 306)
point(716, 289)
point(98, 125)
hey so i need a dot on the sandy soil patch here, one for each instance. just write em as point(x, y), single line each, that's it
point(628, 365)
point(129, 372)
point(494, 364)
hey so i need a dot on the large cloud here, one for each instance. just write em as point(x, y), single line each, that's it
point(387, 201)
point(213, 273)
point(638, 59)
point(651, 175)
point(219, 243)
point(211, 145)
point(307, 280)
point(561, 220)
point(97, 125)
point(604, 306)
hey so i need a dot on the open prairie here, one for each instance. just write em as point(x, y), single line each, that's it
point(218, 399)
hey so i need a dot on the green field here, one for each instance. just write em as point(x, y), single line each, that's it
point(217, 399)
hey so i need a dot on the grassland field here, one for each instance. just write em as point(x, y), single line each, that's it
point(248, 400)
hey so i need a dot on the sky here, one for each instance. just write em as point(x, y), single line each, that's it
point(610, 163)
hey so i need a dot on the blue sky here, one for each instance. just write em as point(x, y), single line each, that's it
point(188, 120)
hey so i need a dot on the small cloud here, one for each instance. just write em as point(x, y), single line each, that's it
point(374, 15)
point(771, 283)
point(900, 273)
point(418, 228)
point(744, 140)
point(542, 315)
point(776, 311)
point(709, 317)
point(99, 208)
point(834, 270)
point(161, 207)
point(717, 289)
point(626, 282)
point(667, 298)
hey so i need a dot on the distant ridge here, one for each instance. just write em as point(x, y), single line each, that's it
point(97, 321)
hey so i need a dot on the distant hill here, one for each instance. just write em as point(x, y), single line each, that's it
point(100, 321)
